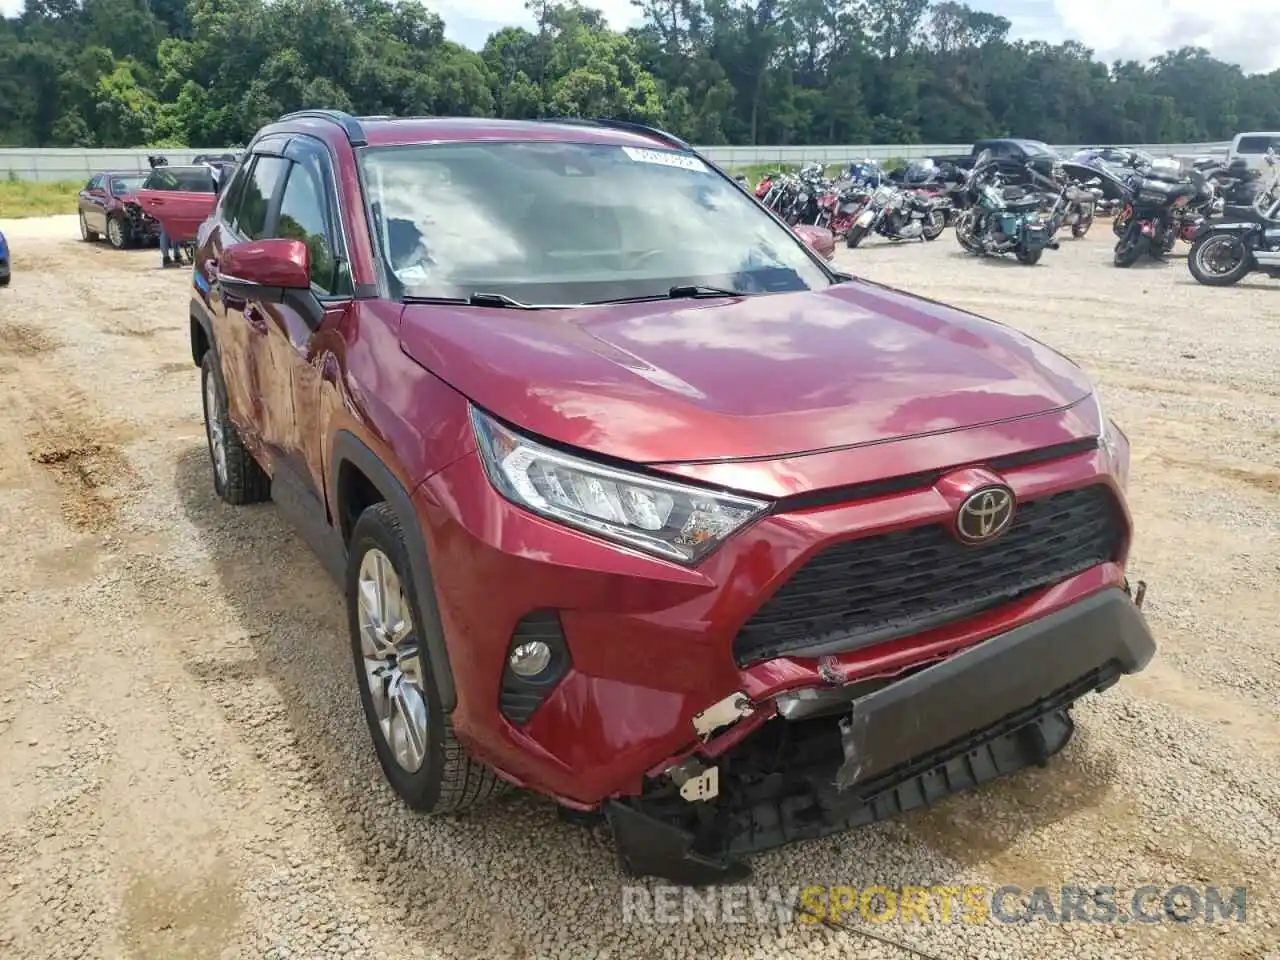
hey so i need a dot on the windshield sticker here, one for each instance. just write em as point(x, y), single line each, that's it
point(666, 159)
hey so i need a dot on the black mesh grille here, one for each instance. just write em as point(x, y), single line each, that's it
point(877, 588)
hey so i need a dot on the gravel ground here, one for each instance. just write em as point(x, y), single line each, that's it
point(190, 775)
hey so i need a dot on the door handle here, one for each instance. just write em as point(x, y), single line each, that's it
point(253, 316)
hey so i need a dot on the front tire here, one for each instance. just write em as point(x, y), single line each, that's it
point(966, 226)
point(933, 225)
point(237, 477)
point(854, 236)
point(412, 735)
point(1081, 227)
point(1205, 271)
point(1029, 257)
point(118, 232)
point(1127, 252)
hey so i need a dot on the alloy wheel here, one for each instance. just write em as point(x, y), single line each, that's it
point(1219, 256)
point(392, 662)
point(115, 233)
point(214, 427)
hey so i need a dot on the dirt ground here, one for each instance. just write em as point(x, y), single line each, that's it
point(185, 773)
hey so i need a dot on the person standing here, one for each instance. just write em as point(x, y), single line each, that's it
point(170, 255)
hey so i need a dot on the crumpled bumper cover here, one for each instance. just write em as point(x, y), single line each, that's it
point(984, 713)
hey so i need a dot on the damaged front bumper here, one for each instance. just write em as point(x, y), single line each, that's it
point(143, 228)
point(843, 758)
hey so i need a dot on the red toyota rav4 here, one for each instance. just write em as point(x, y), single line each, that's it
point(639, 504)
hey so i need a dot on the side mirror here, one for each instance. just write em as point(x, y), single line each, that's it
point(266, 268)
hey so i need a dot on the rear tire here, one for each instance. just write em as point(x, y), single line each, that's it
point(430, 772)
point(854, 236)
point(1205, 246)
point(87, 235)
point(237, 478)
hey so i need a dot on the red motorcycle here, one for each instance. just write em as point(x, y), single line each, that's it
point(839, 209)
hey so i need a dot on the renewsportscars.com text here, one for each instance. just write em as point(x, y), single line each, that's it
point(971, 904)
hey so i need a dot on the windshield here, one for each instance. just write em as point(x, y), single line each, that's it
point(122, 185)
point(571, 223)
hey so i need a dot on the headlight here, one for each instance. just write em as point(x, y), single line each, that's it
point(661, 517)
point(1106, 429)
point(1113, 442)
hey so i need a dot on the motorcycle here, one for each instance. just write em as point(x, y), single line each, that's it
point(1075, 204)
point(993, 224)
point(1223, 254)
point(1160, 208)
point(897, 215)
point(840, 207)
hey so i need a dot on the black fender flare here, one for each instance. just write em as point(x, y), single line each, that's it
point(200, 316)
point(347, 448)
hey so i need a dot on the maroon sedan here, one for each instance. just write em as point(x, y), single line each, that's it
point(636, 502)
point(109, 207)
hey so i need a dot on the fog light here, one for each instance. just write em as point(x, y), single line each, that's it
point(530, 659)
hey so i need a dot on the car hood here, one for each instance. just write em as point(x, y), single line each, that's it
point(752, 377)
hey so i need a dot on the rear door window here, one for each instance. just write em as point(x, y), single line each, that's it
point(182, 179)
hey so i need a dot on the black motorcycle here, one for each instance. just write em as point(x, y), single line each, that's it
point(1225, 253)
point(1159, 208)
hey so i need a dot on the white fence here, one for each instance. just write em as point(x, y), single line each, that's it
point(80, 164)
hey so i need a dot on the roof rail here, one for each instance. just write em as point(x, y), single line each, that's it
point(349, 124)
point(628, 125)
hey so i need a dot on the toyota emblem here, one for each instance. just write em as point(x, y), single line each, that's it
point(985, 514)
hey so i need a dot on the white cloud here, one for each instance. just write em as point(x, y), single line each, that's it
point(11, 8)
point(1246, 32)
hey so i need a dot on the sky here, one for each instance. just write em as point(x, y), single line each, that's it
point(1246, 32)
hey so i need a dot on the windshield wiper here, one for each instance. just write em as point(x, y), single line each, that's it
point(481, 300)
point(691, 291)
point(694, 290)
